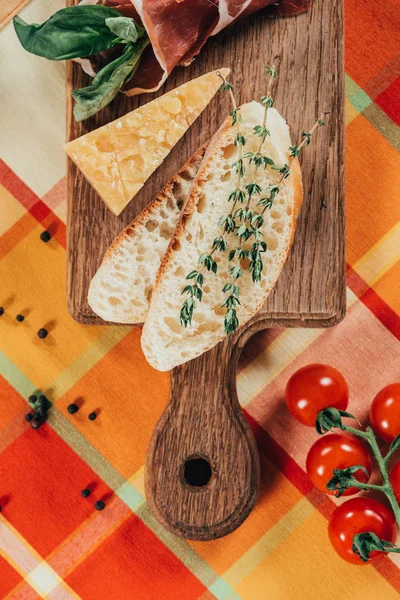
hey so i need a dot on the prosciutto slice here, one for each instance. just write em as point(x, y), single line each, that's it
point(178, 29)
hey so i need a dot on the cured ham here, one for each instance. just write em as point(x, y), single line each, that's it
point(178, 29)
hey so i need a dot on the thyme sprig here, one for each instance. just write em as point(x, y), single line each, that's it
point(228, 222)
point(243, 222)
point(285, 169)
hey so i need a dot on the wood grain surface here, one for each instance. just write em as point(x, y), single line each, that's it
point(203, 417)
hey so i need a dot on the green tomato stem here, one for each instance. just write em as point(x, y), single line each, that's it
point(382, 463)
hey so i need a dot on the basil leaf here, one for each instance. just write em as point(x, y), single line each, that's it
point(108, 81)
point(125, 28)
point(73, 32)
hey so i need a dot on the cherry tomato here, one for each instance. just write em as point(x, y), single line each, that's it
point(385, 412)
point(314, 387)
point(337, 451)
point(359, 515)
point(395, 480)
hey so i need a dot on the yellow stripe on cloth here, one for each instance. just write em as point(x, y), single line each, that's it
point(26, 561)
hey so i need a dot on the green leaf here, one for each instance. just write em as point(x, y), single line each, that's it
point(186, 314)
point(307, 136)
point(225, 87)
point(231, 256)
point(219, 244)
point(231, 322)
point(200, 279)
point(236, 272)
point(123, 27)
point(343, 479)
point(267, 101)
point(108, 81)
point(242, 253)
point(73, 32)
point(330, 418)
point(294, 151)
point(192, 275)
point(239, 139)
point(236, 116)
point(253, 188)
point(261, 131)
point(270, 71)
point(257, 220)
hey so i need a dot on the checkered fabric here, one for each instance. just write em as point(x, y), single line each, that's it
point(53, 544)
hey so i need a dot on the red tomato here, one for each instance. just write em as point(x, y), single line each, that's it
point(359, 515)
point(337, 451)
point(314, 387)
point(395, 480)
point(385, 412)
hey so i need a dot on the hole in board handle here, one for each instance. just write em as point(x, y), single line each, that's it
point(197, 471)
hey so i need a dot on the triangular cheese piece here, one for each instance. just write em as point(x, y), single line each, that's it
point(118, 157)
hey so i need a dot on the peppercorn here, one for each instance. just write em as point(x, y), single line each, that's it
point(72, 408)
point(29, 417)
point(42, 333)
point(85, 493)
point(20, 318)
point(92, 416)
point(99, 505)
point(45, 236)
point(1, 311)
point(36, 422)
point(32, 399)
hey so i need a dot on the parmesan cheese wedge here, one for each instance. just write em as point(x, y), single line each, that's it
point(119, 157)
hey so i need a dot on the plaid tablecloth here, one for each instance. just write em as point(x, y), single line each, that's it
point(53, 543)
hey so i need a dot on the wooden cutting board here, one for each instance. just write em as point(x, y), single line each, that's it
point(203, 423)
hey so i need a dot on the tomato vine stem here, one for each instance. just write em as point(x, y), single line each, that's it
point(382, 462)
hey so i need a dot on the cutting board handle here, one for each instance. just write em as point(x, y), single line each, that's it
point(202, 469)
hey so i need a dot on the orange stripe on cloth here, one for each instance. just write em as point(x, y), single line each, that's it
point(374, 302)
point(9, 8)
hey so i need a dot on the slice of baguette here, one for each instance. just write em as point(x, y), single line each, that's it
point(165, 342)
point(120, 290)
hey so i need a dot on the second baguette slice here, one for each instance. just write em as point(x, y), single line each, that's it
point(121, 288)
point(165, 342)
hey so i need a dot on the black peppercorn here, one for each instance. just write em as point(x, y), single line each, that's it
point(99, 505)
point(85, 493)
point(20, 318)
point(72, 408)
point(32, 399)
point(45, 236)
point(1, 311)
point(92, 416)
point(36, 422)
point(29, 417)
point(42, 333)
